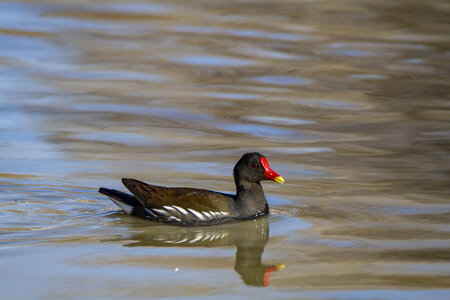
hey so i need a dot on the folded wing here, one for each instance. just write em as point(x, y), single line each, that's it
point(183, 206)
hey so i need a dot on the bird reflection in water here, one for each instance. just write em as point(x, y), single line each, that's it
point(249, 237)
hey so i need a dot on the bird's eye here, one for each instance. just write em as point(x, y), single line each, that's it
point(254, 165)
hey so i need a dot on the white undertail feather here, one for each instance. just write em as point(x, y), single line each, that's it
point(126, 208)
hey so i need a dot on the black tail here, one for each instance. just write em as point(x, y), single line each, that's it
point(127, 202)
point(121, 196)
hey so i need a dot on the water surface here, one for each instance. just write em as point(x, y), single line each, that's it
point(348, 100)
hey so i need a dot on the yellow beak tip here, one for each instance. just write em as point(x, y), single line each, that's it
point(279, 179)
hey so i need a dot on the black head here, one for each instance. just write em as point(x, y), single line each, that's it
point(254, 168)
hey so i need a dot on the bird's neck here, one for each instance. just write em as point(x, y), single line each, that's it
point(250, 199)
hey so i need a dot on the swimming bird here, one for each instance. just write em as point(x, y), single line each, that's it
point(196, 207)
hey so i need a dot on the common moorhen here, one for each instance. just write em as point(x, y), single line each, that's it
point(192, 207)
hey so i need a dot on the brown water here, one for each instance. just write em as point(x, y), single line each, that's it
point(347, 99)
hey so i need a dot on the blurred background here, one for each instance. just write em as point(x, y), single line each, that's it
point(347, 99)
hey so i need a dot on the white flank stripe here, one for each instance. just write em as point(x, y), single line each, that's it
point(196, 213)
point(218, 214)
point(180, 209)
point(207, 215)
point(160, 211)
point(150, 212)
point(169, 208)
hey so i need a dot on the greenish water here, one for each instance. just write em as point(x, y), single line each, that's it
point(348, 100)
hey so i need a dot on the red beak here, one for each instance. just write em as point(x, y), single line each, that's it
point(269, 173)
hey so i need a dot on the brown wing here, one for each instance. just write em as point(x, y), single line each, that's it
point(186, 202)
